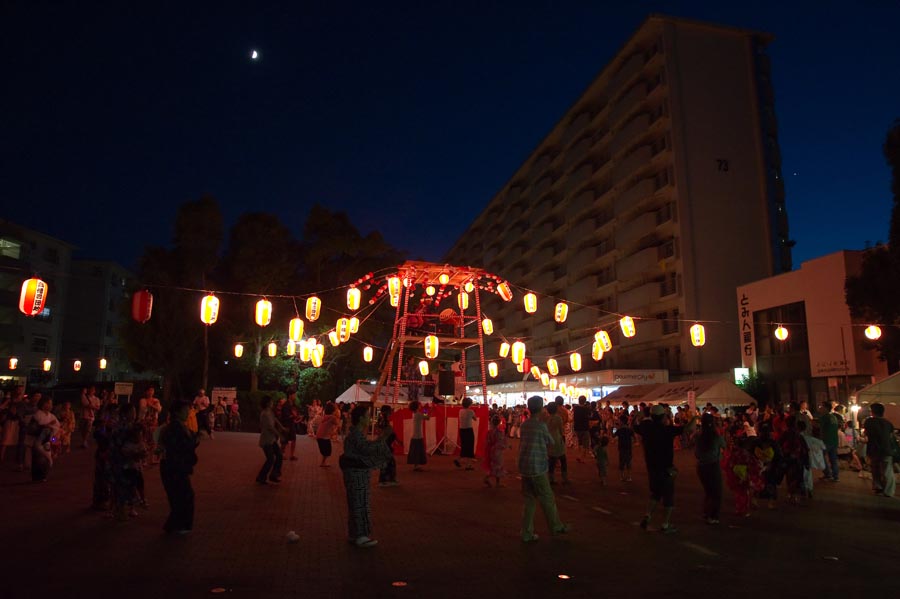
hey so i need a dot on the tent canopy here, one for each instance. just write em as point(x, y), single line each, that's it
point(364, 391)
point(718, 392)
point(886, 391)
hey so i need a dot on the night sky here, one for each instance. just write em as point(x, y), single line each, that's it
point(409, 118)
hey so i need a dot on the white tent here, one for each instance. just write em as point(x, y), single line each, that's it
point(718, 392)
point(886, 392)
point(363, 392)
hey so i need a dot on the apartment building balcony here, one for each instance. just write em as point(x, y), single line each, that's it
point(635, 265)
point(628, 102)
point(629, 131)
point(631, 67)
point(576, 127)
point(630, 233)
point(577, 152)
point(647, 331)
point(584, 287)
point(633, 161)
point(633, 195)
point(639, 297)
point(578, 178)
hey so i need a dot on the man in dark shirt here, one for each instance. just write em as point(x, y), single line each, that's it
point(581, 425)
point(178, 448)
point(657, 435)
point(879, 431)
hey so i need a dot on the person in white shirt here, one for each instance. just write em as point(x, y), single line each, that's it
point(46, 426)
point(201, 405)
point(466, 435)
point(90, 403)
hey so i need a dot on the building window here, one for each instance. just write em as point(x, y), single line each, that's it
point(44, 315)
point(51, 255)
point(10, 249)
point(669, 285)
point(667, 249)
point(40, 344)
point(669, 322)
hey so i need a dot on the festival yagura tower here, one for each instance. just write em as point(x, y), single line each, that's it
point(423, 327)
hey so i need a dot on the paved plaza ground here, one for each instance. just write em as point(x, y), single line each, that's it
point(442, 533)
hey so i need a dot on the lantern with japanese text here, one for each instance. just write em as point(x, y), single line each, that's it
point(873, 332)
point(47, 364)
point(504, 291)
point(209, 309)
point(530, 301)
point(76, 366)
point(463, 300)
point(368, 353)
point(395, 285)
point(102, 363)
point(432, 345)
point(313, 308)
point(597, 351)
point(518, 352)
point(575, 361)
point(318, 354)
point(33, 297)
point(487, 325)
point(423, 368)
point(395, 301)
point(353, 296)
point(698, 335)
point(343, 329)
point(561, 312)
point(263, 312)
point(354, 325)
point(334, 338)
point(626, 323)
point(602, 337)
point(493, 370)
point(781, 333)
point(141, 305)
point(552, 367)
point(273, 349)
point(504, 349)
point(295, 329)
point(238, 350)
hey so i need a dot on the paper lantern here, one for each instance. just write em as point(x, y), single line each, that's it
point(102, 363)
point(469, 287)
point(561, 312)
point(395, 301)
point(545, 379)
point(873, 332)
point(552, 367)
point(209, 309)
point(306, 350)
point(334, 338)
point(487, 325)
point(463, 300)
point(526, 363)
point(368, 353)
point(553, 384)
point(504, 349)
point(313, 308)
point(423, 368)
point(602, 337)
point(290, 348)
point(626, 323)
point(530, 301)
point(76, 366)
point(562, 388)
point(444, 278)
point(395, 285)
point(13, 363)
point(263, 315)
point(520, 367)
point(47, 364)
point(317, 356)
point(493, 370)
point(535, 372)
point(343, 329)
point(354, 325)
point(273, 349)
point(432, 345)
point(781, 333)
point(33, 297)
point(141, 305)
point(353, 296)
point(295, 329)
point(430, 290)
point(698, 335)
point(319, 350)
point(238, 350)
point(518, 352)
point(504, 291)
point(597, 351)
point(575, 361)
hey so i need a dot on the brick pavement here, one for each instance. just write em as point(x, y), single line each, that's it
point(441, 532)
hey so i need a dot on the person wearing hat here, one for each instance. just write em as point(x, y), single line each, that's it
point(658, 435)
point(533, 467)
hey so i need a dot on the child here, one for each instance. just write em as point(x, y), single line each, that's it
point(67, 427)
point(387, 476)
point(417, 456)
point(493, 459)
point(742, 472)
point(601, 458)
point(625, 436)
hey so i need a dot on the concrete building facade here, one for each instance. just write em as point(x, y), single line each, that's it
point(656, 195)
point(826, 355)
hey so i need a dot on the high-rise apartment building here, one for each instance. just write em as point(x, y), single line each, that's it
point(656, 195)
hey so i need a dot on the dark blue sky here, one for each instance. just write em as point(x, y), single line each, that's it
point(408, 117)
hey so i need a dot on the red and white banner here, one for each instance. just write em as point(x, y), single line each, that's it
point(441, 420)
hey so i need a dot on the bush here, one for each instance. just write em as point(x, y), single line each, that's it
point(249, 404)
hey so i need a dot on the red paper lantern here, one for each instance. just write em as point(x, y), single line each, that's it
point(142, 305)
point(33, 297)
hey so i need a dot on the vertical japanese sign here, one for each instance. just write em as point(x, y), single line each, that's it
point(745, 313)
